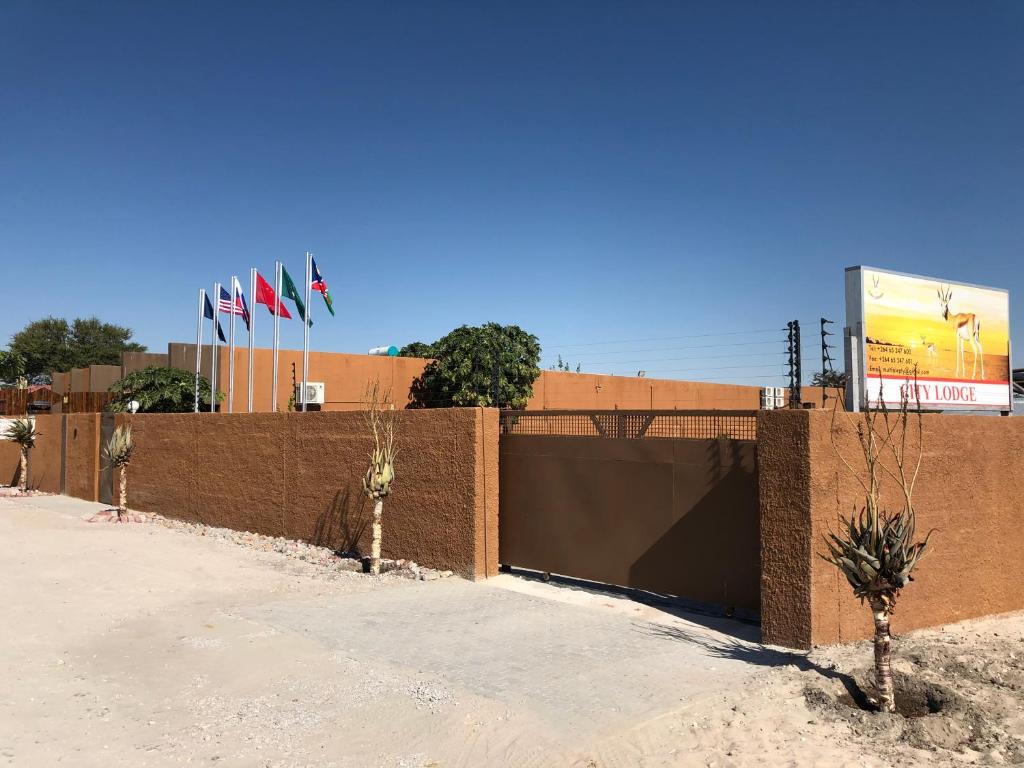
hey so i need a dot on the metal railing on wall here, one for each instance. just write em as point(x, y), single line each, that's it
point(701, 425)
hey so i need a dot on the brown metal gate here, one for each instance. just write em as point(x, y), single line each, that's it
point(672, 515)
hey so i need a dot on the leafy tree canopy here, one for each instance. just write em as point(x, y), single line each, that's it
point(161, 390)
point(12, 367)
point(835, 379)
point(53, 344)
point(417, 349)
point(471, 359)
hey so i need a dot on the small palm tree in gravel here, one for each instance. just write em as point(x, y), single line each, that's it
point(875, 550)
point(118, 452)
point(23, 432)
point(380, 419)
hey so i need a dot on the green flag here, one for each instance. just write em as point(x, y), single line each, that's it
point(289, 291)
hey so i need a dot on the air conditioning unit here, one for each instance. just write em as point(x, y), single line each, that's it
point(314, 393)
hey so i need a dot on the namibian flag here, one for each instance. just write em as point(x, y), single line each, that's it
point(319, 284)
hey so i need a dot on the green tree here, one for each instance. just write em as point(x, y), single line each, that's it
point(471, 360)
point(161, 390)
point(54, 344)
point(835, 379)
point(12, 367)
point(417, 349)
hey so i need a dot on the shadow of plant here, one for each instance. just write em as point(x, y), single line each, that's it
point(762, 656)
point(342, 525)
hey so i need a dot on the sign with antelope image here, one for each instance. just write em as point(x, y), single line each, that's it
point(952, 338)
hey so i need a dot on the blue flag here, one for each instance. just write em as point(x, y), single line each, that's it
point(208, 313)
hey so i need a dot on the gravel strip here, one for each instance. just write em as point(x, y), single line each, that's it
point(323, 558)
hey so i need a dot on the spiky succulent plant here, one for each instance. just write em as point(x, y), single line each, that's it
point(877, 554)
point(119, 448)
point(377, 482)
point(23, 432)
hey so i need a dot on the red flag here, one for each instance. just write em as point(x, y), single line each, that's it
point(265, 295)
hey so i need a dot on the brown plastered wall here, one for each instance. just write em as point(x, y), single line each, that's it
point(10, 462)
point(44, 458)
point(300, 476)
point(486, 486)
point(346, 376)
point(784, 496)
point(44, 461)
point(61, 382)
point(79, 380)
point(137, 361)
point(969, 490)
point(556, 390)
point(102, 376)
point(673, 516)
point(82, 467)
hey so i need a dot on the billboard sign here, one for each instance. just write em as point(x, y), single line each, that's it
point(954, 338)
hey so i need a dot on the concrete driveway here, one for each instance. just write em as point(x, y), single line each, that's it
point(136, 645)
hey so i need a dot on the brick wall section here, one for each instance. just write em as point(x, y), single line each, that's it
point(300, 476)
point(969, 489)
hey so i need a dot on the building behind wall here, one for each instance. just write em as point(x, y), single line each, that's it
point(345, 378)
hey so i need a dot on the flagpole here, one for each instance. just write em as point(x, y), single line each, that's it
point(213, 350)
point(305, 332)
point(252, 328)
point(199, 342)
point(277, 328)
point(231, 355)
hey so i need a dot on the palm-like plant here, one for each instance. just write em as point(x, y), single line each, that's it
point(118, 452)
point(380, 418)
point(23, 432)
point(875, 550)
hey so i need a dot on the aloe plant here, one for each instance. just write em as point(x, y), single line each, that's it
point(380, 418)
point(876, 549)
point(118, 453)
point(877, 554)
point(23, 432)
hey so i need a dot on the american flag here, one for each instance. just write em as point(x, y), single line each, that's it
point(240, 308)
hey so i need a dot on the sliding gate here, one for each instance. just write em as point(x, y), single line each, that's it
point(662, 501)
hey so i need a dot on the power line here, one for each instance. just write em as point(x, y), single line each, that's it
point(583, 361)
point(663, 338)
point(685, 347)
point(718, 368)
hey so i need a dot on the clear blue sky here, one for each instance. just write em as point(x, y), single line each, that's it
point(590, 171)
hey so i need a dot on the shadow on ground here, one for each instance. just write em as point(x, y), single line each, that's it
point(742, 627)
point(758, 655)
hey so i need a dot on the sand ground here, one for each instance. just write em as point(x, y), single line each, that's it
point(136, 645)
